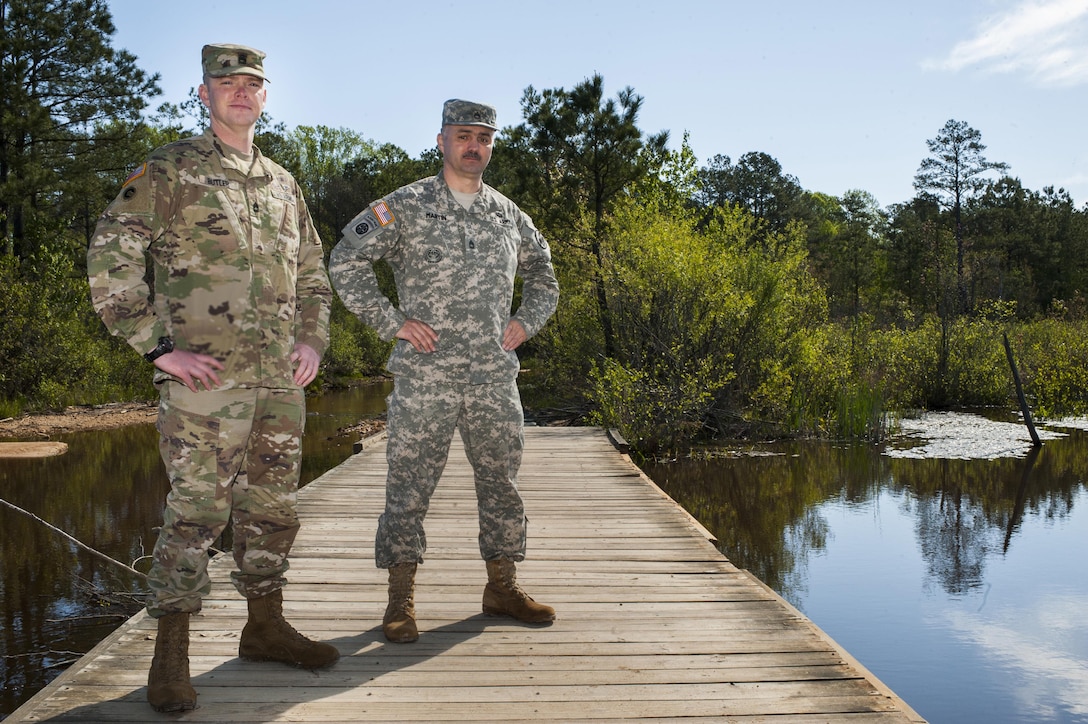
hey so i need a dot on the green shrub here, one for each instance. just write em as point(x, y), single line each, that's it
point(978, 369)
point(55, 350)
point(1053, 360)
point(653, 413)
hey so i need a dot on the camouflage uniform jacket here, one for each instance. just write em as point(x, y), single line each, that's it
point(454, 269)
point(237, 263)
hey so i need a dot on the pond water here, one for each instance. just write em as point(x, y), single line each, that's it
point(56, 600)
point(951, 564)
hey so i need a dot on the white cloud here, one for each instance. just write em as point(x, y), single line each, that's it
point(1047, 39)
point(1040, 646)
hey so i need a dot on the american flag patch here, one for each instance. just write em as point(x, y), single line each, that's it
point(382, 212)
point(135, 174)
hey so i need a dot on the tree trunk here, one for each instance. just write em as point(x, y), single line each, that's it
point(602, 303)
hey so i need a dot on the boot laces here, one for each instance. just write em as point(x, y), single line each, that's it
point(510, 583)
point(290, 631)
point(401, 608)
point(275, 610)
point(401, 600)
point(171, 656)
point(401, 593)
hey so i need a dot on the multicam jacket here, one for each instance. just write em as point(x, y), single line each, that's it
point(237, 263)
point(454, 269)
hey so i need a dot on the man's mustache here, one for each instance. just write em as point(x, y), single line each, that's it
point(471, 154)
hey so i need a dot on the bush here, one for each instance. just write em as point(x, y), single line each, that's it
point(709, 326)
point(839, 391)
point(653, 412)
point(1053, 360)
point(55, 350)
point(355, 350)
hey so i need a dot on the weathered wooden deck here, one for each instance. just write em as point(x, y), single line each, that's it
point(653, 622)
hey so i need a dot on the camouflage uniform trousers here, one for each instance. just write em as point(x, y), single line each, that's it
point(422, 416)
point(232, 456)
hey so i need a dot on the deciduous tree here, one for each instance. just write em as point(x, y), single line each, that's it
point(581, 153)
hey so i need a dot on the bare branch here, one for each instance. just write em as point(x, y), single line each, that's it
point(79, 543)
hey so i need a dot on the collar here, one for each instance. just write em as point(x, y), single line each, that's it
point(231, 158)
point(443, 186)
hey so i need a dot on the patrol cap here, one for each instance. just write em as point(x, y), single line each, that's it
point(457, 112)
point(229, 59)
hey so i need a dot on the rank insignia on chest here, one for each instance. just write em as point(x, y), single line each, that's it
point(433, 255)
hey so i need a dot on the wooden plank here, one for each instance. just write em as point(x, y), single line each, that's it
point(653, 622)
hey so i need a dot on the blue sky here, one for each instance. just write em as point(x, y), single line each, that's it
point(843, 94)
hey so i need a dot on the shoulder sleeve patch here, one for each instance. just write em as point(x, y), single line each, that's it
point(137, 173)
point(385, 216)
point(369, 222)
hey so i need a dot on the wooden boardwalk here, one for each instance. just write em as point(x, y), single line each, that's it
point(653, 622)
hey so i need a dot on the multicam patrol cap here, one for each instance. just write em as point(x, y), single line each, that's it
point(457, 112)
point(229, 59)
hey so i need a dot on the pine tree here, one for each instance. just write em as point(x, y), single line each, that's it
point(64, 93)
point(951, 175)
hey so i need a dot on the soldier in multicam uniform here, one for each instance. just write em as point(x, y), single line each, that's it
point(455, 245)
point(236, 327)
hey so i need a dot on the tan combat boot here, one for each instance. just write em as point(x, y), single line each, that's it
point(168, 686)
point(268, 637)
point(399, 623)
point(504, 597)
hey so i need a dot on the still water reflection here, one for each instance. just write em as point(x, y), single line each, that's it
point(107, 491)
point(963, 584)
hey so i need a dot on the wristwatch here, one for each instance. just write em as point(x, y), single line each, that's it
point(164, 346)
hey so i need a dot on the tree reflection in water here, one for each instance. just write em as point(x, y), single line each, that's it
point(58, 601)
point(954, 580)
point(905, 560)
point(108, 491)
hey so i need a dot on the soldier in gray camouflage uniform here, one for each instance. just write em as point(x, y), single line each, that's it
point(236, 327)
point(455, 245)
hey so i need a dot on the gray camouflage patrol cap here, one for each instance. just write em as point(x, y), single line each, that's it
point(228, 59)
point(457, 112)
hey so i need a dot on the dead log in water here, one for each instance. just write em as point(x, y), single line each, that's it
point(1020, 394)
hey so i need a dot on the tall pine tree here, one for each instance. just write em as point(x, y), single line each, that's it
point(64, 93)
point(953, 174)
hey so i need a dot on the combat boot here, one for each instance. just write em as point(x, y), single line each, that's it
point(168, 686)
point(504, 597)
point(268, 637)
point(399, 623)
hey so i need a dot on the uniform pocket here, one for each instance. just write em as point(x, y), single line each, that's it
point(189, 443)
point(283, 207)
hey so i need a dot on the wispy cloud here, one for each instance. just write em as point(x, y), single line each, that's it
point(1039, 644)
point(1047, 40)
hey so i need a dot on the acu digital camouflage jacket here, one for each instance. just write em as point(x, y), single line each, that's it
point(454, 270)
